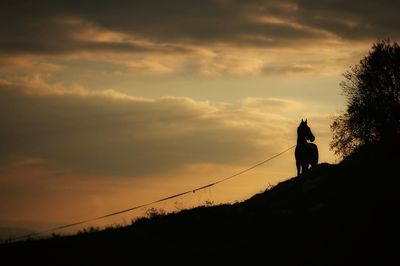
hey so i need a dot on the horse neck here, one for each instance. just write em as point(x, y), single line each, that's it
point(301, 140)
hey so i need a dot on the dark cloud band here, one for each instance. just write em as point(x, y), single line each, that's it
point(33, 27)
point(102, 135)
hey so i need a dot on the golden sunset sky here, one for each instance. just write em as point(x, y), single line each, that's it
point(108, 104)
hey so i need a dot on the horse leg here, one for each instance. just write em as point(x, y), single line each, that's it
point(304, 168)
point(298, 168)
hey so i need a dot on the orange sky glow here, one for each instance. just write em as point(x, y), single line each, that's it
point(108, 105)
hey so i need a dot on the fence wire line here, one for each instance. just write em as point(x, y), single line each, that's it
point(153, 202)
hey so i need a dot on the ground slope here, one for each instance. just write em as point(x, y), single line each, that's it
point(334, 215)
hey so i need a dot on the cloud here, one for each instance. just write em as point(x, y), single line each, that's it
point(211, 38)
point(352, 20)
point(112, 134)
point(167, 26)
point(52, 35)
point(293, 69)
point(272, 105)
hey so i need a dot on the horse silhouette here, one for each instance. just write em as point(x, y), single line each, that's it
point(306, 153)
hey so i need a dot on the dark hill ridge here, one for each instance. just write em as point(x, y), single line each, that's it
point(334, 215)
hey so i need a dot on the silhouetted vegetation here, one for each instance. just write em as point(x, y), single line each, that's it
point(373, 91)
point(343, 214)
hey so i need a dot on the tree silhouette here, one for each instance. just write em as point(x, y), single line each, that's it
point(373, 91)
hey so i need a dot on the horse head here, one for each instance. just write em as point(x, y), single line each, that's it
point(304, 131)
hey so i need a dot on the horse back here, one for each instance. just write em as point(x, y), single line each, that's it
point(307, 153)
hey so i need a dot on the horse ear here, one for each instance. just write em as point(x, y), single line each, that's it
point(302, 120)
point(305, 121)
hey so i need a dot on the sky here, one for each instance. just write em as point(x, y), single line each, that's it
point(105, 105)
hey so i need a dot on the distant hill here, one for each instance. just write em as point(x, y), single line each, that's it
point(345, 214)
point(7, 232)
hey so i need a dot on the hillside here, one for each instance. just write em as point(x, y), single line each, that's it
point(334, 215)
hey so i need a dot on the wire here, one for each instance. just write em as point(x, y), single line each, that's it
point(153, 202)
